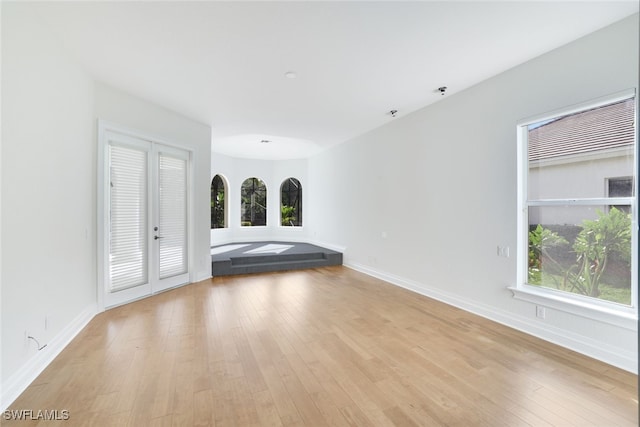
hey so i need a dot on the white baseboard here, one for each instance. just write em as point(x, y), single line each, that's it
point(604, 352)
point(19, 381)
point(203, 277)
point(341, 249)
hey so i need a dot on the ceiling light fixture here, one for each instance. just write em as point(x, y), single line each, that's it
point(442, 90)
point(264, 141)
point(290, 74)
point(393, 113)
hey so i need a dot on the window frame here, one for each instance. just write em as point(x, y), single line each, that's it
point(593, 308)
point(266, 195)
point(225, 206)
point(608, 182)
point(299, 210)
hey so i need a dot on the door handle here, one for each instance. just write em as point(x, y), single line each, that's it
point(157, 237)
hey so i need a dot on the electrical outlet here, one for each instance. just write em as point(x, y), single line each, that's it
point(540, 312)
point(503, 251)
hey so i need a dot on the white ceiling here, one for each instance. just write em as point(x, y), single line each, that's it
point(224, 63)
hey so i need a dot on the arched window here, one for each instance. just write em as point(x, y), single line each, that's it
point(291, 203)
point(218, 202)
point(253, 205)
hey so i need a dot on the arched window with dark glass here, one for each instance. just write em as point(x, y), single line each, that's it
point(253, 205)
point(291, 203)
point(218, 202)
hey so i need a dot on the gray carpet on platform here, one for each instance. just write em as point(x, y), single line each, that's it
point(260, 257)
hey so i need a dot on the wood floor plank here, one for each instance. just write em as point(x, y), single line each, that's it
point(266, 408)
point(321, 347)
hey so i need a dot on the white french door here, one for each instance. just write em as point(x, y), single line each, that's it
point(145, 217)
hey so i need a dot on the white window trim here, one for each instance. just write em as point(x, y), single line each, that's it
point(591, 308)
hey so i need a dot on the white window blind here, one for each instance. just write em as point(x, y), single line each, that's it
point(128, 218)
point(173, 215)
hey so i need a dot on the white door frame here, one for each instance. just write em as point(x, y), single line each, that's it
point(103, 202)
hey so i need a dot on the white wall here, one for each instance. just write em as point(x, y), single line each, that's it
point(48, 197)
point(440, 184)
point(273, 173)
point(50, 108)
point(1, 370)
point(128, 111)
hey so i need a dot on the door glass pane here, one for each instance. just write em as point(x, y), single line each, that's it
point(128, 218)
point(172, 181)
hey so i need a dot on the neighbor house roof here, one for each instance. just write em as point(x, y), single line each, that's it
point(602, 128)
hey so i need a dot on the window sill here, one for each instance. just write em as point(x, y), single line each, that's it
point(624, 317)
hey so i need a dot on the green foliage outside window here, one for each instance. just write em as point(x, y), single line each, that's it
point(291, 203)
point(217, 210)
point(288, 215)
point(253, 199)
point(601, 248)
point(218, 203)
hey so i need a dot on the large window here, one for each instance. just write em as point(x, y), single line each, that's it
point(253, 206)
point(578, 204)
point(218, 202)
point(291, 203)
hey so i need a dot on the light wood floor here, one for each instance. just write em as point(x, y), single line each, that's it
point(319, 347)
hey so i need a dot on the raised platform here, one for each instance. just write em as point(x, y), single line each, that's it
point(261, 257)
